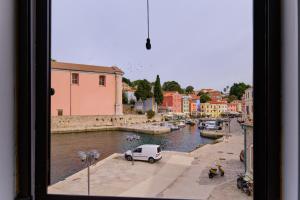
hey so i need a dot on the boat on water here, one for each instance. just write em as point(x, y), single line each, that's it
point(190, 122)
point(173, 127)
point(181, 124)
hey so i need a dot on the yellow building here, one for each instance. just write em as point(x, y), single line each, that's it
point(213, 109)
point(238, 105)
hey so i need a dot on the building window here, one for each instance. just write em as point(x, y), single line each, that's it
point(59, 112)
point(75, 78)
point(102, 80)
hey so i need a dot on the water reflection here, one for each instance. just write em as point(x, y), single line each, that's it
point(64, 147)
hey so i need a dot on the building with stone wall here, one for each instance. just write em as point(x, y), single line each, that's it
point(85, 89)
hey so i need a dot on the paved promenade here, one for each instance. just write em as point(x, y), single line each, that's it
point(177, 175)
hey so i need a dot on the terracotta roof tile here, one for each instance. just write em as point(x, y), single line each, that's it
point(85, 68)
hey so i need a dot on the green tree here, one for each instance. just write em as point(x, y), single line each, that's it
point(189, 89)
point(136, 83)
point(132, 101)
point(158, 95)
point(127, 81)
point(204, 98)
point(172, 86)
point(238, 89)
point(231, 98)
point(143, 90)
point(124, 98)
point(200, 93)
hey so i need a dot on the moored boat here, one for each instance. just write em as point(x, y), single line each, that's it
point(181, 124)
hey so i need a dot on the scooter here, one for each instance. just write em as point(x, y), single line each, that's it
point(244, 185)
point(216, 171)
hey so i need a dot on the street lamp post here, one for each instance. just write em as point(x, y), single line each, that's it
point(88, 158)
point(133, 139)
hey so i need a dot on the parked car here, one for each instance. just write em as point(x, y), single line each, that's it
point(146, 152)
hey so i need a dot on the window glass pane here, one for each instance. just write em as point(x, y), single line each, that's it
point(164, 112)
point(102, 80)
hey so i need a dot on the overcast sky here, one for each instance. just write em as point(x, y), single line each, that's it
point(203, 43)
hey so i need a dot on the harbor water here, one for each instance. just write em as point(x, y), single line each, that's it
point(65, 147)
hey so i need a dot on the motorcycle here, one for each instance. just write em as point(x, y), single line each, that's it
point(245, 186)
point(216, 171)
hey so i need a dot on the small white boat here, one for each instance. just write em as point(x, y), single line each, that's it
point(181, 125)
point(190, 122)
point(173, 127)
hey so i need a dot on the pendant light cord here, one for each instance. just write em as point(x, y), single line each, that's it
point(148, 18)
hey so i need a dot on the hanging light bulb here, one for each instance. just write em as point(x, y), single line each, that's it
point(148, 42)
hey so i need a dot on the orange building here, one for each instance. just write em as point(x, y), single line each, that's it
point(213, 94)
point(193, 103)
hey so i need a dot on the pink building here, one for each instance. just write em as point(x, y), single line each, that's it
point(172, 101)
point(232, 107)
point(85, 89)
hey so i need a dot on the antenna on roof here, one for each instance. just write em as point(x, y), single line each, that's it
point(148, 43)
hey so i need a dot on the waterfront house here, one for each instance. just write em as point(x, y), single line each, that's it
point(172, 101)
point(232, 107)
point(213, 109)
point(146, 105)
point(186, 104)
point(150, 104)
point(85, 89)
point(139, 106)
point(195, 105)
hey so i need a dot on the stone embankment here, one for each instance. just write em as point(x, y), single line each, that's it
point(134, 123)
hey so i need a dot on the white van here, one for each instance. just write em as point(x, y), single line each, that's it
point(146, 152)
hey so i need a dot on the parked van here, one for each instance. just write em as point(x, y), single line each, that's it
point(146, 152)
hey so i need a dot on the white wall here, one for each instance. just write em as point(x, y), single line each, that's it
point(7, 130)
point(290, 99)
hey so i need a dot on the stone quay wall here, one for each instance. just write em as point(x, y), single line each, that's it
point(81, 122)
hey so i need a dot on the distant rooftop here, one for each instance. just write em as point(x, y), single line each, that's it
point(85, 68)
